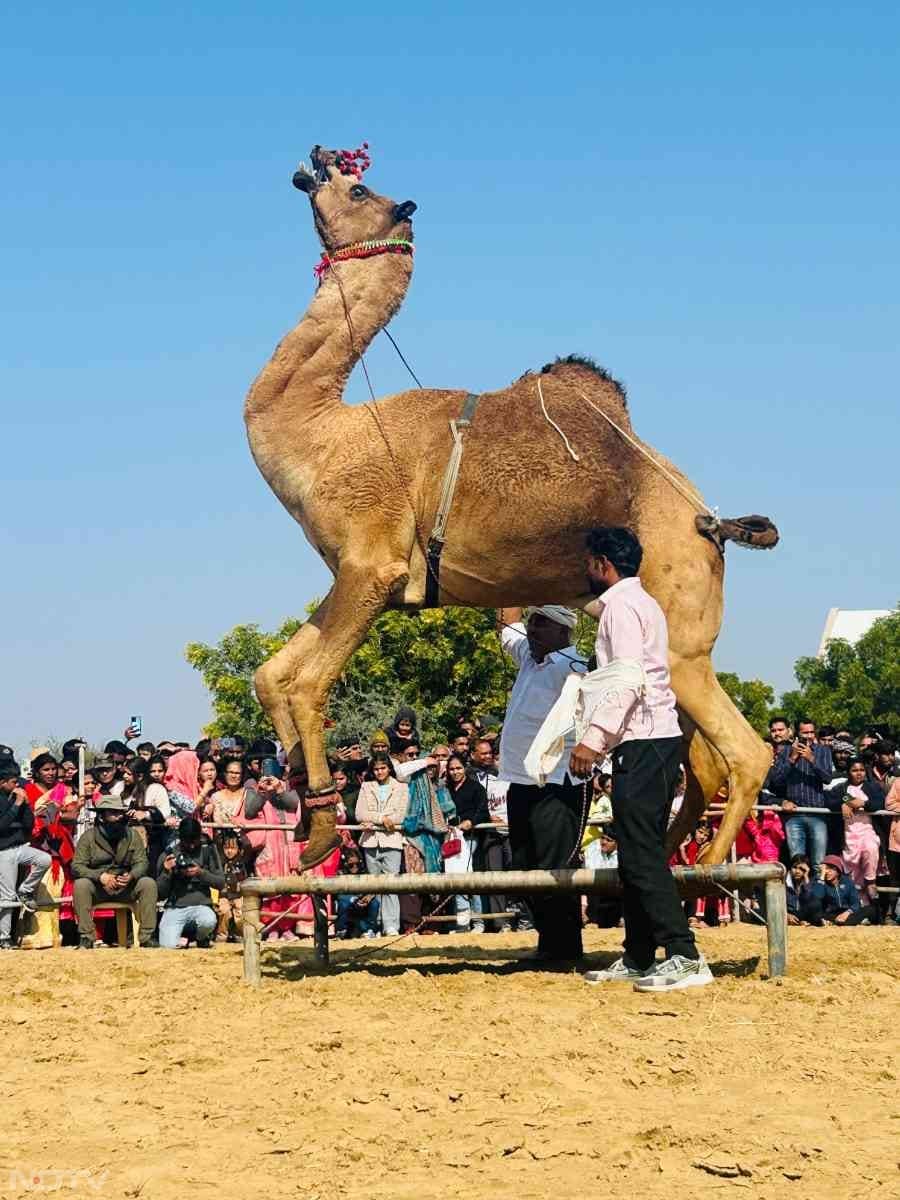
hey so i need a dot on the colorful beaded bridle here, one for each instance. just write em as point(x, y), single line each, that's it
point(355, 162)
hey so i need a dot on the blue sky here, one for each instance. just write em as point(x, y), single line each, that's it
point(702, 196)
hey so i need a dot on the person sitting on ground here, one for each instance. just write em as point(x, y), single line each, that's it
point(16, 824)
point(186, 872)
point(802, 907)
point(111, 864)
point(602, 854)
point(357, 916)
point(383, 801)
point(234, 869)
point(837, 894)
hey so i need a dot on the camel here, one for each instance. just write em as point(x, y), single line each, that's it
point(364, 483)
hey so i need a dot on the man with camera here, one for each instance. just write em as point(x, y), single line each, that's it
point(111, 863)
point(800, 773)
point(187, 871)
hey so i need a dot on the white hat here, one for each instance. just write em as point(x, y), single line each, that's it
point(558, 613)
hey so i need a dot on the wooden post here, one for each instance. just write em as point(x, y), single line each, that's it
point(776, 927)
point(251, 917)
point(320, 927)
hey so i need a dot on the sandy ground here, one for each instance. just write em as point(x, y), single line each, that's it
point(446, 1066)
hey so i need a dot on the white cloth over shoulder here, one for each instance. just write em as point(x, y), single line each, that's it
point(581, 695)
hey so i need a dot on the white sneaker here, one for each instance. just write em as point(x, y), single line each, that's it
point(619, 972)
point(675, 973)
point(392, 933)
point(478, 927)
point(370, 933)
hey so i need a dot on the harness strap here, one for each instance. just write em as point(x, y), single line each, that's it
point(448, 489)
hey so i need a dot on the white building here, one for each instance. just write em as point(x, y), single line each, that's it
point(849, 624)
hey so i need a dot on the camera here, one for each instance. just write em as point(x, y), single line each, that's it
point(182, 862)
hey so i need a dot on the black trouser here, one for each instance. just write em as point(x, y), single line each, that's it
point(493, 855)
point(645, 774)
point(544, 834)
point(605, 914)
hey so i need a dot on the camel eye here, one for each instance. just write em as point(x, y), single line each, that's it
point(358, 192)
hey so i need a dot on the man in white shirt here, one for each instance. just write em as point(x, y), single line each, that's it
point(544, 822)
point(640, 726)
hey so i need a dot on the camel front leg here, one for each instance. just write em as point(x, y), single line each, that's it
point(360, 594)
point(273, 681)
point(729, 736)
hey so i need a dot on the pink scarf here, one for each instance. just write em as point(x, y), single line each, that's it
point(181, 774)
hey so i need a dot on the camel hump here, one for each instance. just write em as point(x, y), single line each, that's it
point(754, 532)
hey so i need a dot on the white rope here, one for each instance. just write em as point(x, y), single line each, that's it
point(550, 421)
point(448, 488)
point(691, 498)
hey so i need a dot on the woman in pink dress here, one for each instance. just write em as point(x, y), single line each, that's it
point(277, 854)
point(862, 845)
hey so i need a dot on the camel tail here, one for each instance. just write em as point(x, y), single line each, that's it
point(753, 532)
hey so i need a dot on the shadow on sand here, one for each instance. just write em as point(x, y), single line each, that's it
point(387, 962)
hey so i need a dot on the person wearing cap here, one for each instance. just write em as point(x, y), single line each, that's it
point(836, 892)
point(544, 820)
point(16, 824)
point(638, 724)
point(111, 864)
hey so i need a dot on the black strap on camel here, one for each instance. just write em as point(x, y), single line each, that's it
point(448, 489)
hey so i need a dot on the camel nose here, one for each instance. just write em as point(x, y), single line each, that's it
point(402, 212)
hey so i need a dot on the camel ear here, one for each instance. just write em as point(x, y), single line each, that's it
point(304, 179)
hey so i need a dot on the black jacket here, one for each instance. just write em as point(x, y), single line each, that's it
point(471, 803)
point(16, 822)
point(180, 890)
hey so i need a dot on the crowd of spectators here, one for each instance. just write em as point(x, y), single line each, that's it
point(172, 830)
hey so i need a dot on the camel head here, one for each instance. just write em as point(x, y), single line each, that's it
point(344, 209)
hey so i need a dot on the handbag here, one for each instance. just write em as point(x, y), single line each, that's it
point(451, 847)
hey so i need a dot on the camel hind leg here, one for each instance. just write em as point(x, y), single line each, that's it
point(705, 771)
point(731, 739)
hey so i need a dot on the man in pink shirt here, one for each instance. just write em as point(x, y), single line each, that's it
point(638, 725)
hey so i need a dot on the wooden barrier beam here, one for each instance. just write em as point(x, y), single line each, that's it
point(699, 880)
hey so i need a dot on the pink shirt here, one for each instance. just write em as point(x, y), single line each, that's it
point(632, 625)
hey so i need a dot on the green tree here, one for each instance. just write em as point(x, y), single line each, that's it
point(227, 669)
point(439, 662)
point(751, 696)
point(852, 686)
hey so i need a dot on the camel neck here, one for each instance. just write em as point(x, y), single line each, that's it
point(306, 376)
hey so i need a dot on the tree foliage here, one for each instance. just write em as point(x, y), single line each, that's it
point(852, 686)
point(440, 662)
point(227, 669)
point(751, 696)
